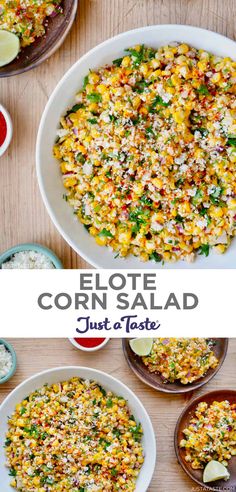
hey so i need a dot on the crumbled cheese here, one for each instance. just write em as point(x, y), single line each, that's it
point(28, 259)
point(87, 169)
point(62, 132)
point(5, 361)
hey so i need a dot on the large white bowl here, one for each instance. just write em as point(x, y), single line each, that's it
point(48, 172)
point(109, 383)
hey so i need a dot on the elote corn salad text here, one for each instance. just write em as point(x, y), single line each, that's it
point(26, 18)
point(148, 153)
point(211, 434)
point(73, 436)
point(183, 359)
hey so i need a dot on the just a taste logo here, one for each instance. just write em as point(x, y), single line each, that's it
point(131, 294)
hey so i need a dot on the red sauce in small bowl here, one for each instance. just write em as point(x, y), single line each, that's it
point(3, 129)
point(89, 342)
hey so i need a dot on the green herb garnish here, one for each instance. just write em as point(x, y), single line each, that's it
point(203, 90)
point(94, 97)
point(204, 249)
point(105, 233)
point(155, 256)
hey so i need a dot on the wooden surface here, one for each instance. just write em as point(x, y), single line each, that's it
point(36, 355)
point(23, 217)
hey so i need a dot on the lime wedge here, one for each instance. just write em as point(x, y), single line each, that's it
point(215, 471)
point(9, 47)
point(141, 346)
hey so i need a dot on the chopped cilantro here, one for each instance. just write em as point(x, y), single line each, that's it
point(149, 132)
point(140, 86)
point(117, 62)
point(136, 432)
point(231, 140)
point(204, 132)
point(12, 473)
point(117, 433)
point(203, 90)
point(75, 108)
point(93, 121)
point(102, 390)
point(94, 97)
point(86, 80)
point(80, 158)
point(109, 403)
point(145, 200)
point(158, 101)
point(155, 256)
point(105, 233)
point(114, 472)
point(178, 218)
point(179, 182)
point(204, 249)
point(137, 56)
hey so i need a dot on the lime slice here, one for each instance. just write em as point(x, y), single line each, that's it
point(141, 346)
point(9, 47)
point(215, 471)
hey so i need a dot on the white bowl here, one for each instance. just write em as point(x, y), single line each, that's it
point(88, 349)
point(8, 138)
point(48, 171)
point(109, 383)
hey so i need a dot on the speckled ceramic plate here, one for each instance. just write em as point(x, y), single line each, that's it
point(183, 422)
point(155, 380)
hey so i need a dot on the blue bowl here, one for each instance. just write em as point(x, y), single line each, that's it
point(31, 247)
point(14, 361)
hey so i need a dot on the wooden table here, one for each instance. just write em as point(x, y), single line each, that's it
point(36, 355)
point(23, 217)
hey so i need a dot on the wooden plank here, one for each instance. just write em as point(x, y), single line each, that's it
point(35, 355)
point(23, 217)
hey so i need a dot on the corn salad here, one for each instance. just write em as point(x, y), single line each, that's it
point(183, 359)
point(211, 434)
point(148, 153)
point(73, 436)
point(26, 18)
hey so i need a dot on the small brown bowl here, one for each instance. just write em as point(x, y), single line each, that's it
point(154, 379)
point(56, 31)
point(183, 422)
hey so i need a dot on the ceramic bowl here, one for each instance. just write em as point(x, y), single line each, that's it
point(56, 31)
point(86, 349)
point(62, 98)
point(30, 247)
point(155, 380)
point(8, 138)
point(109, 383)
point(183, 422)
point(12, 371)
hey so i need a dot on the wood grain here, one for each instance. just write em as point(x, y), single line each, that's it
point(23, 217)
point(35, 355)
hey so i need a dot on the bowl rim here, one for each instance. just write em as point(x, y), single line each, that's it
point(28, 247)
point(159, 27)
point(185, 389)
point(194, 402)
point(9, 134)
point(95, 373)
point(12, 351)
point(87, 349)
point(51, 49)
